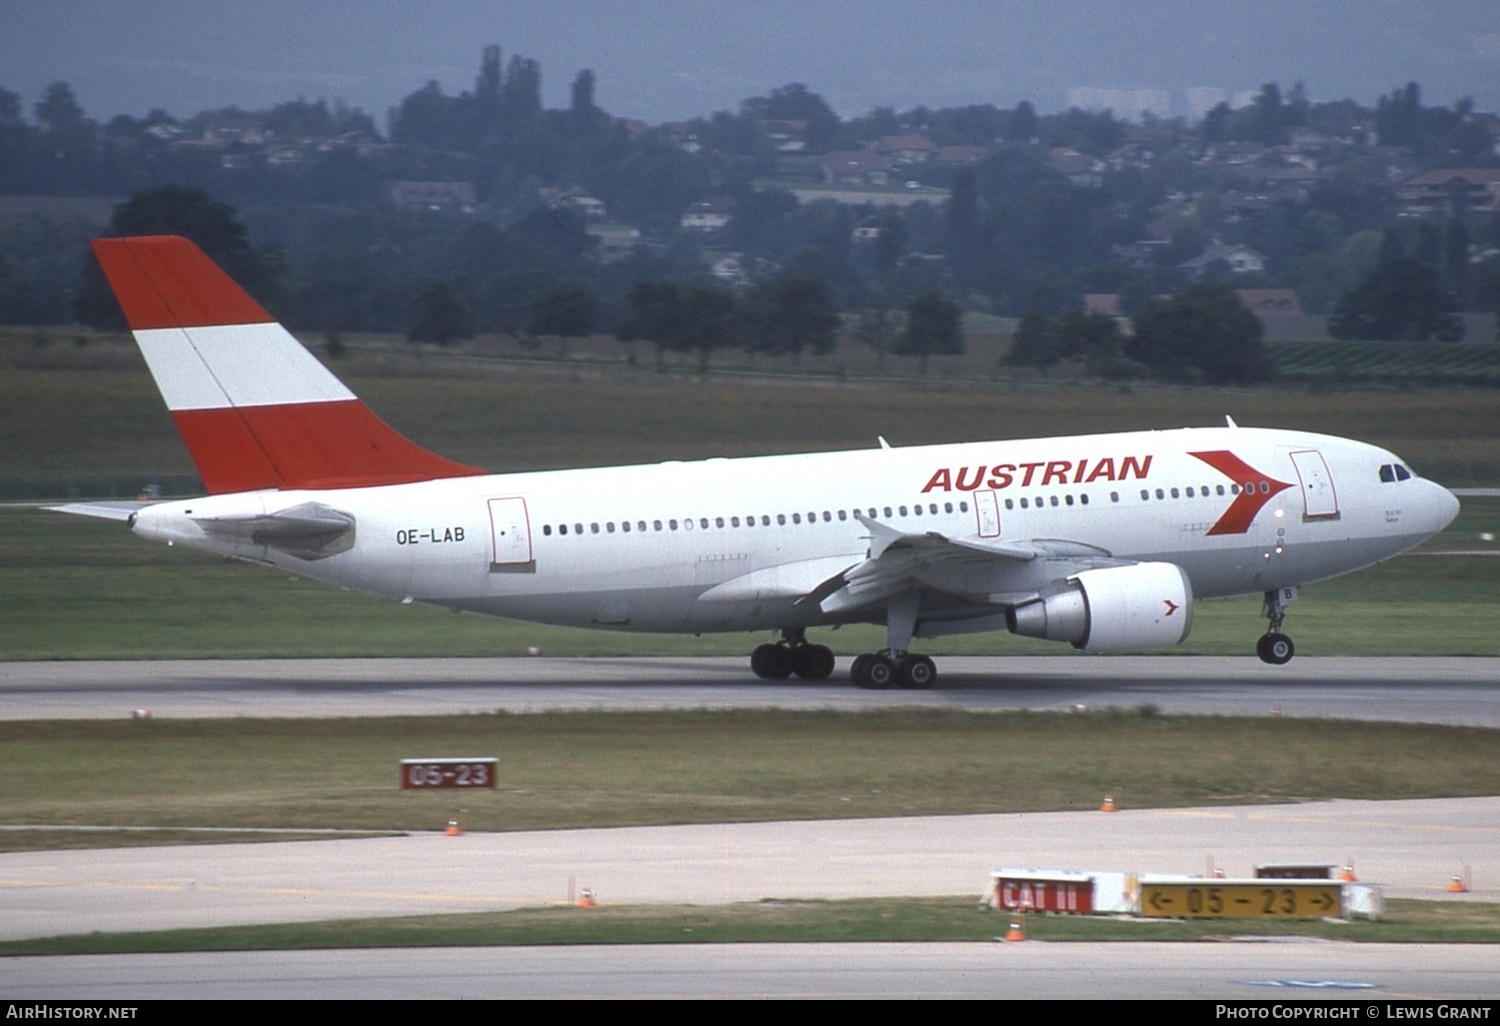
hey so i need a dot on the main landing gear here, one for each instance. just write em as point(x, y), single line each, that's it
point(792, 655)
point(1274, 647)
point(881, 670)
point(895, 667)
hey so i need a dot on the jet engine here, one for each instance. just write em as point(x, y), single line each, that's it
point(1145, 605)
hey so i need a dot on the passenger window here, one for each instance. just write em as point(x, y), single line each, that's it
point(547, 529)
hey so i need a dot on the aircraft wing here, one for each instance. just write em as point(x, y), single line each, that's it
point(899, 561)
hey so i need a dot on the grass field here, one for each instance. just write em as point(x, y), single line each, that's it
point(872, 919)
point(560, 770)
point(76, 417)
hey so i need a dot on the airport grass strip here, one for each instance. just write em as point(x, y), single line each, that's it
point(866, 919)
point(594, 769)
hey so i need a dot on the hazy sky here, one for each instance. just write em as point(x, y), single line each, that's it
point(670, 59)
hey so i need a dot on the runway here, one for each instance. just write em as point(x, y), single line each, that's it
point(1458, 691)
point(1362, 977)
point(1409, 847)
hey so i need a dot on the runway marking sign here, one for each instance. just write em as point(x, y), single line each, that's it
point(1283, 899)
point(431, 773)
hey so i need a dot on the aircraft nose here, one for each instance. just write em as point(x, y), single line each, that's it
point(1443, 506)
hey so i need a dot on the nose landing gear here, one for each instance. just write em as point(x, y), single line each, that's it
point(1274, 647)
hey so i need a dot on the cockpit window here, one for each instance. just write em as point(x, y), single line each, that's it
point(1390, 472)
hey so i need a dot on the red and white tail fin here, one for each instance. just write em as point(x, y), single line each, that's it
point(255, 408)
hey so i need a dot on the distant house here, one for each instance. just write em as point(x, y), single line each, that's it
point(1240, 260)
point(1082, 170)
point(1106, 303)
point(435, 196)
point(856, 167)
point(1477, 188)
point(707, 215)
point(786, 136)
point(905, 149)
point(961, 156)
point(1265, 303)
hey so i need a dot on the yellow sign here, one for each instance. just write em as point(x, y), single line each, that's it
point(1285, 899)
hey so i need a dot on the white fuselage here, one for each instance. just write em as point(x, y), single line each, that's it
point(725, 545)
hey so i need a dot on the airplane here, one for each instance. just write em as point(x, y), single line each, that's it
point(1105, 542)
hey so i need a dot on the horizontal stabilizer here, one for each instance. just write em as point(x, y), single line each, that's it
point(121, 510)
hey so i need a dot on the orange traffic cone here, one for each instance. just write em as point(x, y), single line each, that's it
point(1017, 929)
point(586, 900)
point(1347, 873)
point(1109, 804)
point(453, 830)
point(1459, 883)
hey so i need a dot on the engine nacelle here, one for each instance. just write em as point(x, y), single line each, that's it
point(1147, 605)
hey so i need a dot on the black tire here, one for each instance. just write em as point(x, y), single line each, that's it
point(857, 671)
point(813, 662)
point(771, 662)
point(760, 660)
point(779, 663)
point(881, 672)
point(1276, 649)
point(917, 673)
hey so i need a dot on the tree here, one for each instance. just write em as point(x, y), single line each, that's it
point(566, 312)
point(1036, 342)
point(178, 210)
point(441, 318)
point(1204, 333)
point(788, 315)
point(934, 327)
point(1400, 300)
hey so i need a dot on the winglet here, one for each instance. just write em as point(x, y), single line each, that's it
point(256, 409)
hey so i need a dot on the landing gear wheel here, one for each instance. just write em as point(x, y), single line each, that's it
point(880, 672)
point(857, 671)
point(1276, 649)
point(917, 673)
point(812, 662)
point(771, 662)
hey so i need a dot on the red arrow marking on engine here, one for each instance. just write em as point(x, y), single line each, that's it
point(1171, 606)
point(1256, 489)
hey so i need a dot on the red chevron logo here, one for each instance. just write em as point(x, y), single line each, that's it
point(1256, 489)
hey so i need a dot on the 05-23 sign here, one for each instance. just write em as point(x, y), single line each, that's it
point(448, 772)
